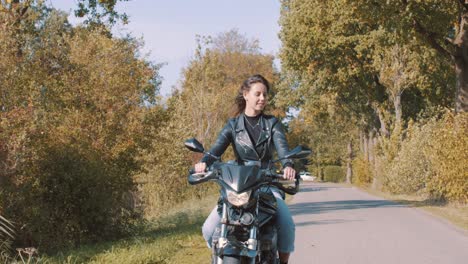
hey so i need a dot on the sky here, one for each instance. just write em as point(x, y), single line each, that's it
point(169, 27)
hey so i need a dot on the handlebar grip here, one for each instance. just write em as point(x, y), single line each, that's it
point(278, 175)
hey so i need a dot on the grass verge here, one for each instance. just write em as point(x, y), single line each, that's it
point(457, 214)
point(174, 238)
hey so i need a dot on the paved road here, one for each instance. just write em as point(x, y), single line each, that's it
point(343, 225)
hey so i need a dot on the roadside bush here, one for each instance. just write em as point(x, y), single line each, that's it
point(410, 170)
point(70, 195)
point(78, 107)
point(448, 156)
point(362, 172)
point(6, 238)
point(334, 174)
point(432, 160)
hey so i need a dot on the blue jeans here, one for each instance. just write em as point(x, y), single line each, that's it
point(284, 225)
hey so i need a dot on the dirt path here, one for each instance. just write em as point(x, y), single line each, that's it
point(343, 225)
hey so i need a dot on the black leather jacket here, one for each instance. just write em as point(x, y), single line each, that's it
point(271, 138)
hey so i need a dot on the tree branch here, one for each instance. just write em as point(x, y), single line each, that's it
point(377, 81)
point(463, 4)
point(429, 36)
point(449, 41)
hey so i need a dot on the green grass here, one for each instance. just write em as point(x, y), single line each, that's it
point(175, 238)
point(457, 214)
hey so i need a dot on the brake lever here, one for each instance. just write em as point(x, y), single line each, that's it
point(198, 174)
point(200, 177)
point(289, 190)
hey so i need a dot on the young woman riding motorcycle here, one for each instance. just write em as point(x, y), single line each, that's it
point(254, 137)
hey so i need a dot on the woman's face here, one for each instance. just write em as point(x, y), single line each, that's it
point(255, 99)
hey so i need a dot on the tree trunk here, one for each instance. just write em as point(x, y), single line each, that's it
point(383, 126)
point(398, 110)
point(375, 171)
point(319, 166)
point(461, 64)
point(349, 166)
point(370, 147)
point(461, 71)
point(366, 147)
point(375, 142)
point(459, 56)
point(361, 141)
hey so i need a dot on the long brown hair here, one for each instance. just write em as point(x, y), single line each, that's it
point(239, 102)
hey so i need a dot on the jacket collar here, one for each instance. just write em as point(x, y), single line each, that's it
point(240, 126)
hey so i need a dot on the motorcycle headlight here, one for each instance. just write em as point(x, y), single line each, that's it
point(238, 199)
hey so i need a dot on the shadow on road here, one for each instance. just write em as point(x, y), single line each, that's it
point(323, 207)
point(309, 188)
point(324, 222)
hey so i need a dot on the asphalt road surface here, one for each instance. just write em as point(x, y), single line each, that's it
point(343, 225)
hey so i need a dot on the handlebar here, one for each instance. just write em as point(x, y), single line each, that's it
point(289, 189)
point(280, 175)
point(197, 178)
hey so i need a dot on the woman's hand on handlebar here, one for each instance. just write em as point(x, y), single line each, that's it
point(289, 173)
point(200, 167)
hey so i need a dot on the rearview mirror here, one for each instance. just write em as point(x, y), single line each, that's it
point(194, 145)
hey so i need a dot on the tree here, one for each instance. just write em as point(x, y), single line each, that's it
point(440, 25)
point(96, 12)
point(99, 12)
point(199, 108)
point(341, 59)
point(77, 109)
point(332, 48)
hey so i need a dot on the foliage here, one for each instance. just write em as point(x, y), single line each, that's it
point(362, 171)
point(433, 24)
point(432, 160)
point(352, 69)
point(199, 108)
point(6, 238)
point(77, 196)
point(77, 108)
point(332, 49)
point(448, 158)
point(99, 11)
point(410, 170)
point(174, 237)
point(320, 126)
point(334, 174)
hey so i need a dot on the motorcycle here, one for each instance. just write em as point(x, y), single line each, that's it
point(246, 232)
